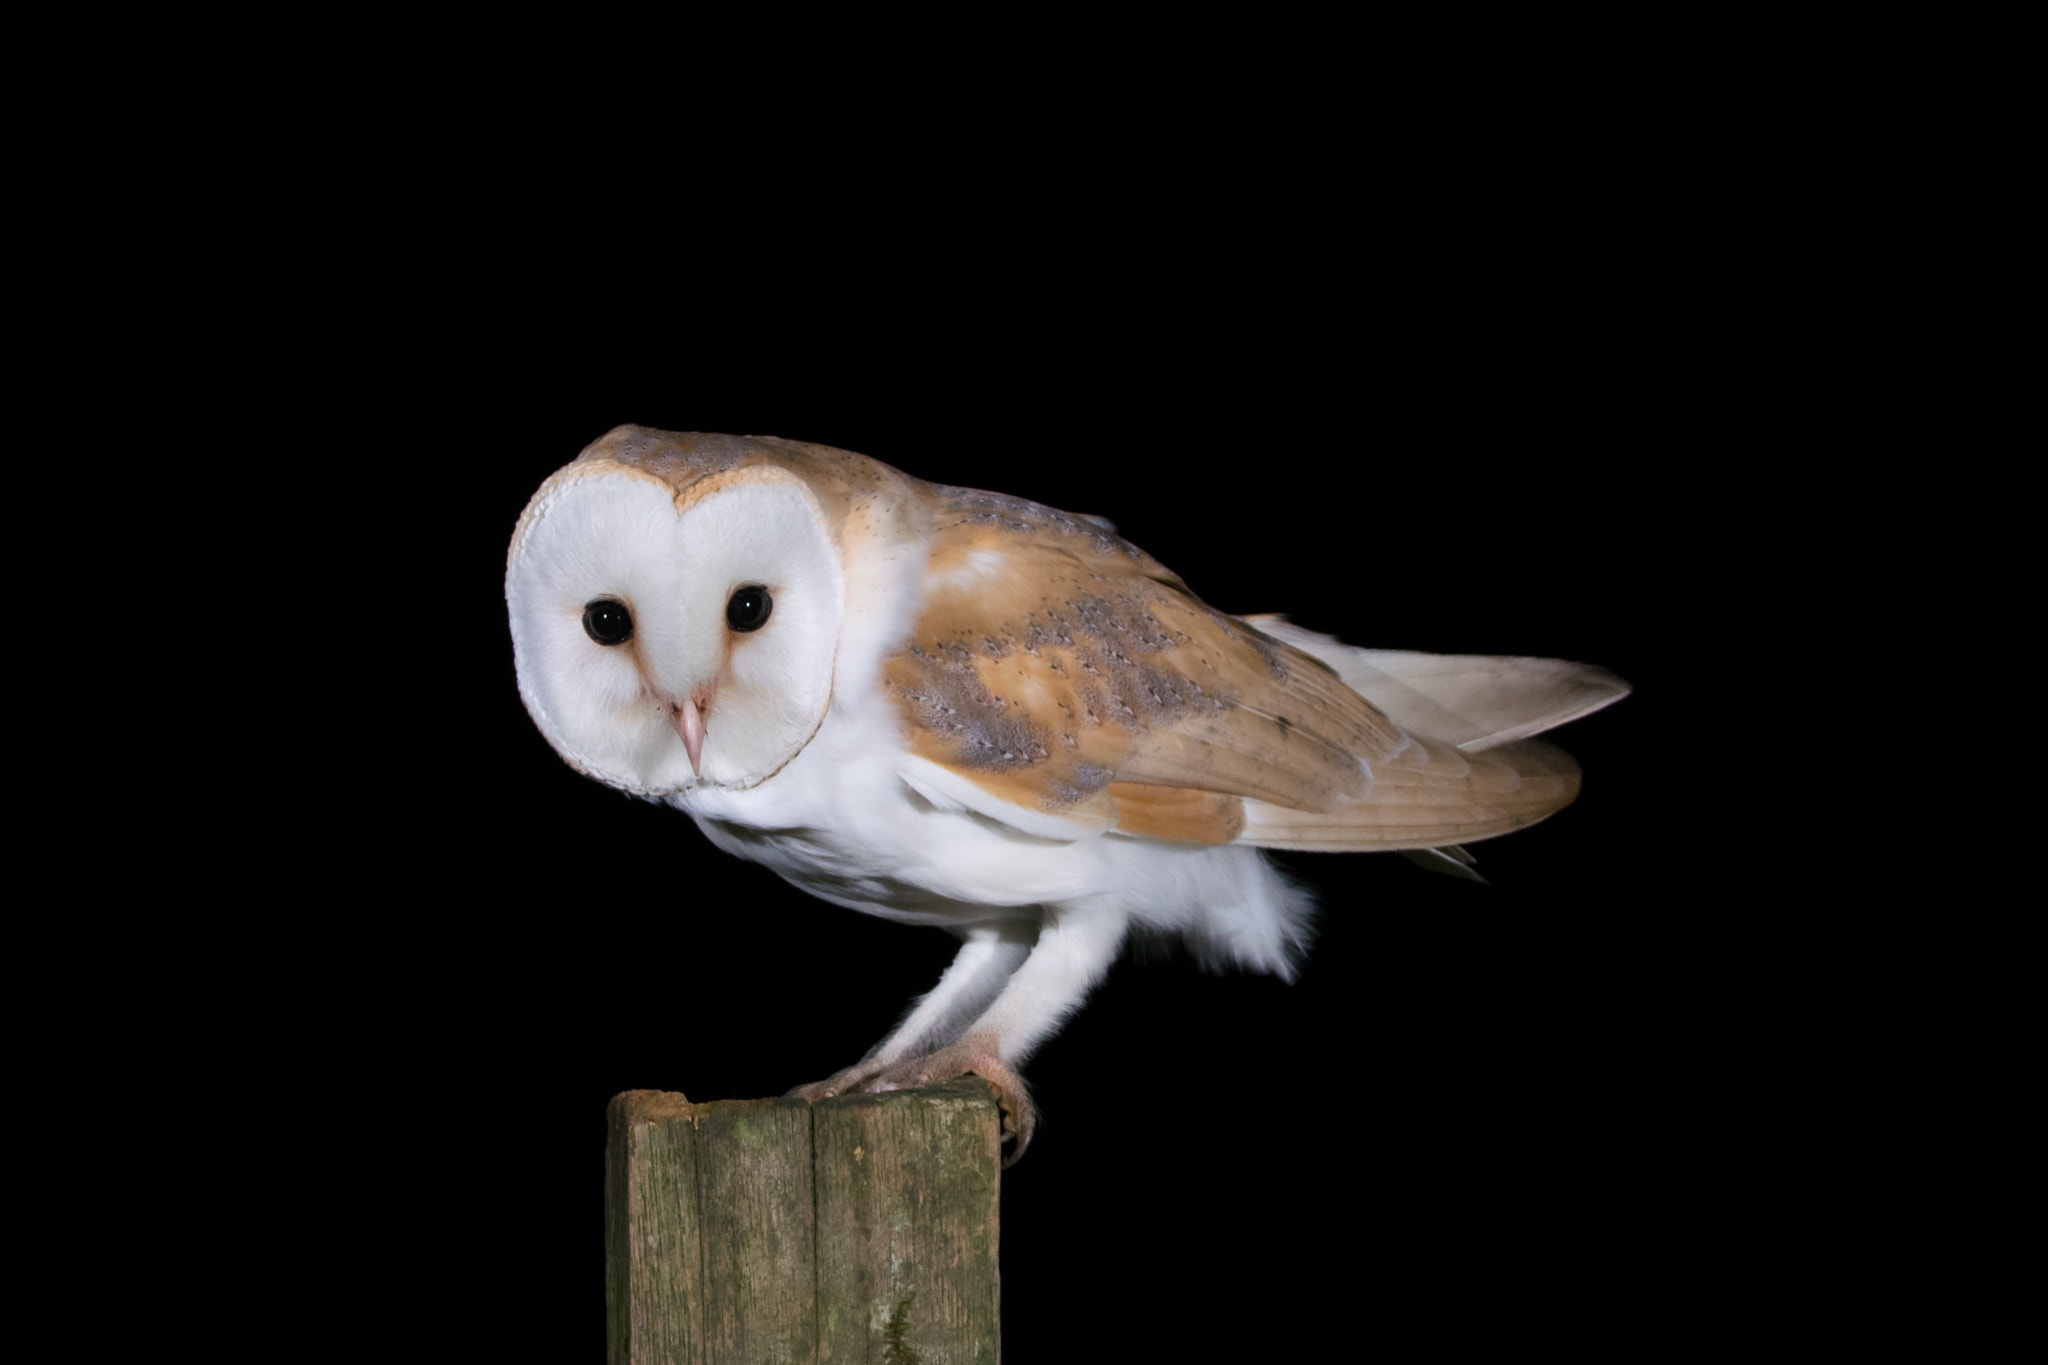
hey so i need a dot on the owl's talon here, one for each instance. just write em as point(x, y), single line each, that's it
point(964, 1058)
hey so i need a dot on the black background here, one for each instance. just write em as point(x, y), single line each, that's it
point(1590, 340)
point(1686, 1078)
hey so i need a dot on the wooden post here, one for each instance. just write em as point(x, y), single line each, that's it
point(860, 1230)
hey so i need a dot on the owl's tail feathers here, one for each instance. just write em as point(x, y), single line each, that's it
point(1477, 774)
point(1430, 795)
point(1474, 701)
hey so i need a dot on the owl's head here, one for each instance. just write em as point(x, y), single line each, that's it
point(674, 631)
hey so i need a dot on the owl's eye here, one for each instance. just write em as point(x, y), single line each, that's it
point(607, 622)
point(749, 608)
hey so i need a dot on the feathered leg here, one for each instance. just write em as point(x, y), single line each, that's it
point(1075, 947)
point(986, 960)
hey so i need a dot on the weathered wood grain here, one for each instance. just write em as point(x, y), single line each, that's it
point(907, 1225)
point(774, 1232)
point(654, 1271)
point(758, 1220)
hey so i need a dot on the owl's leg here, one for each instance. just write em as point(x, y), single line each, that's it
point(987, 960)
point(1076, 946)
point(990, 953)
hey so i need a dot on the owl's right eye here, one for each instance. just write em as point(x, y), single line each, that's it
point(607, 622)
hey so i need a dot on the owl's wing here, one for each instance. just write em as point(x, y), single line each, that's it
point(1064, 683)
point(1475, 701)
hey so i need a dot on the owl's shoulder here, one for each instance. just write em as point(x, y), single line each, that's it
point(970, 522)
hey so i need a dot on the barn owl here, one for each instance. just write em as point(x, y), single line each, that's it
point(957, 708)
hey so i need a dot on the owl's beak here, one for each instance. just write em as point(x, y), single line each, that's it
point(688, 717)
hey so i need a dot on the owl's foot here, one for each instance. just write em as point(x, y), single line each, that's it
point(968, 1057)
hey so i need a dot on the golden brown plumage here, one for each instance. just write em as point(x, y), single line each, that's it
point(1062, 670)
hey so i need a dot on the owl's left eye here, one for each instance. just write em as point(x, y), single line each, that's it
point(607, 622)
point(749, 608)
